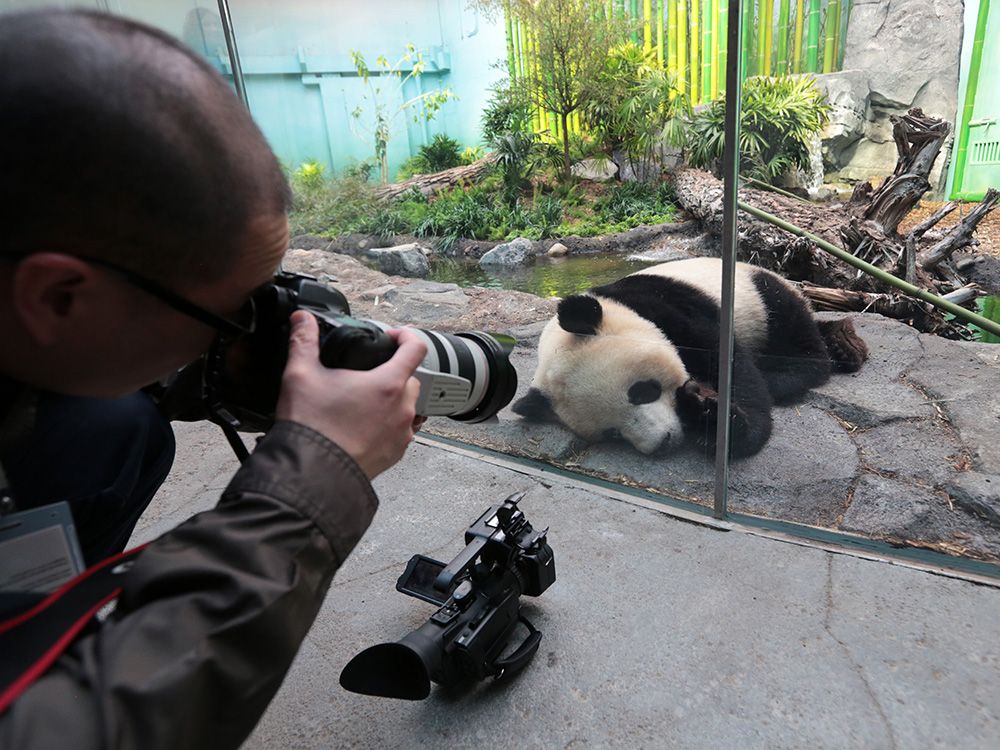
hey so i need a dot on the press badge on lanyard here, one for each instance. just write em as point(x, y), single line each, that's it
point(39, 550)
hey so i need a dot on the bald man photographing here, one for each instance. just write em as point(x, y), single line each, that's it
point(141, 207)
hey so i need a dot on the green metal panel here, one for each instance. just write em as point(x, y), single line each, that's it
point(978, 158)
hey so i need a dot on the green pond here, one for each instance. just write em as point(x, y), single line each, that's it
point(548, 277)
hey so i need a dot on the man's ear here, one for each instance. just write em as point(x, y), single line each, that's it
point(535, 407)
point(580, 314)
point(44, 290)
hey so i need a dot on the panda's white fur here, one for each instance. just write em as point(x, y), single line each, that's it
point(588, 377)
point(584, 380)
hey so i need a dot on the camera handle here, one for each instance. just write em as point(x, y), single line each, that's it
point(464, 559)
point(522, 654)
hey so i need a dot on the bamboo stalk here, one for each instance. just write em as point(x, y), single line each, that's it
point(837, 31)
point(682, 55)
point(647, 25)
point(783, 13)
point(633, 15)
point(671, 35)
point(812, 40)
point(509, 35)
point(800, 16)
point(660, 8)
point(845, 24)
point(747, 18)
point(518, 51)
point(714, 81)
point(768, 37)
point(723, 41)
point(830, 35)
point(706, 50)
point(695, 59)
point(761, 36)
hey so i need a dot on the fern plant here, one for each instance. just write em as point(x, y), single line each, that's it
point(780, 116)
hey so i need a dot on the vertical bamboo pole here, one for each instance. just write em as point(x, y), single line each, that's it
point(768, 37)
point(660, 43)
point(723, 47)
point(682, 53)
point(509, 35)
point(714, 81)
point(845, 24)
point(812, 40)
point(706, 50)
point(762, 37)
point(800, 15)
point(633, 17)
point(830, 35)
point(695, 60)
point(647, 25)
point(538, 82)
point(746, 18)
point(837, 29)
point(783, 10)
point(672, 36)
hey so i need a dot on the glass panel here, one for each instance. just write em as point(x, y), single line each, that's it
point(900, 448)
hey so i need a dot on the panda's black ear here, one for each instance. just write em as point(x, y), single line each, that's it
point(580, 314)
point(535, 407)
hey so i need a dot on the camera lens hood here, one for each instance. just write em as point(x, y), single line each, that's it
point(503, 376)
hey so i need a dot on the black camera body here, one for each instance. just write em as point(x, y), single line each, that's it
point(466, 375)
point(478, 598)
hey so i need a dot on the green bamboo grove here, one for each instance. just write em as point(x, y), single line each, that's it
point(779, 37)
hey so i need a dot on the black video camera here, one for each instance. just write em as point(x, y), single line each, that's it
point(466, 376)
point(478, 598)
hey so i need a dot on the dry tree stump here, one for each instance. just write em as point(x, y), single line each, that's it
point(867, 226)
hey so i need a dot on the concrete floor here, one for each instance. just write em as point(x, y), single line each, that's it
point(657, 633)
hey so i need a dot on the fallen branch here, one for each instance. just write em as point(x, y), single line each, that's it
point(429, 184)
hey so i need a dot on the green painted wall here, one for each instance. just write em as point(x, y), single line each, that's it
point(976, 166)
point(299, 76)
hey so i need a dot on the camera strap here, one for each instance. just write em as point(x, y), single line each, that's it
point(33, 639)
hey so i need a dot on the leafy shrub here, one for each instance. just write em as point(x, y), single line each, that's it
point(505, 112)
point(780, 115)
point(519, 155)
point(635, 106)
point(441, 153)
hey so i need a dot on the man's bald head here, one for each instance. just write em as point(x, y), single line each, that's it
point(118, 142)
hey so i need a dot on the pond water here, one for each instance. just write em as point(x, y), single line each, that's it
point(548, 277)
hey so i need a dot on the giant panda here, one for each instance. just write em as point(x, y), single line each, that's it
point(638, 358)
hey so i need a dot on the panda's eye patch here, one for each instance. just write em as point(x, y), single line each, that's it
point(644, 392)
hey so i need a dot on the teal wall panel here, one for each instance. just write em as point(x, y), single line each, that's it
point(300, 80)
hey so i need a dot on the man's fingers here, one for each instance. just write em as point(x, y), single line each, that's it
point(303, 341)
point(408, 356)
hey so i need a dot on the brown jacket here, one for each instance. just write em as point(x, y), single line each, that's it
point(211, 614)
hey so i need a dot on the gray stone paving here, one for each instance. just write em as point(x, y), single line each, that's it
point(658, 633)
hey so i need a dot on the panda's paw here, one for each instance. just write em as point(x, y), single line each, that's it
point(697, 402)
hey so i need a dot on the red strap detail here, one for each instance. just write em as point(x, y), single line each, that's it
point(54, 596)
point(53, 652)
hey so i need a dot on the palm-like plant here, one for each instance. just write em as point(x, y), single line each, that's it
point(634, 106)
point(780, 116)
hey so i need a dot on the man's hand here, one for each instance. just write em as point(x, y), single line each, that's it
point(371, 414)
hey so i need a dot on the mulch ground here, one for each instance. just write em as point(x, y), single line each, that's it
point(988, 231)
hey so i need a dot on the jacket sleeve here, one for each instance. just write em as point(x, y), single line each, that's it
point(212, 613)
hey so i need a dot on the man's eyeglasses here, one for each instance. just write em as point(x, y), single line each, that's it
point(228, 329)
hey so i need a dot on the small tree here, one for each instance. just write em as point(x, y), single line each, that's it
point(382, 118)
point(635, 106)
point(571, 41)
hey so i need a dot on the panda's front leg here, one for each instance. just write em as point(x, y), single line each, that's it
point(750, 411)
